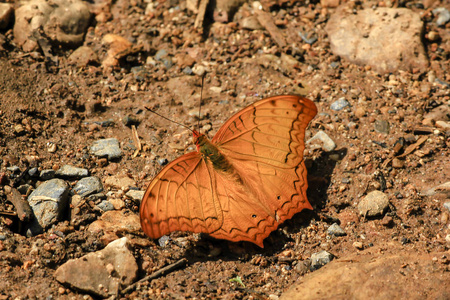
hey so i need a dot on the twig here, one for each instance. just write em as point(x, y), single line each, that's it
point(201, 13)
point(265, 19)
point(161, 272)
point(23, 209)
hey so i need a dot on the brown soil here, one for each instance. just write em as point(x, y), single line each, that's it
point(64, 104)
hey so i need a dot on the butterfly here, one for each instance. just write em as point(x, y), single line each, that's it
point(242, 184)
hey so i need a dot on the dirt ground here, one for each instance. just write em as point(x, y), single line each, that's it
point(43, 103)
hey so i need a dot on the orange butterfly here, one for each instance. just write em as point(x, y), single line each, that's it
point(242, 184)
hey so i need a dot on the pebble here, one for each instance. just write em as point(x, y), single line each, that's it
point(358, 245)
point(443, 125)
point(373, 204)
point(447, 205)
point(135, 194)
point(107, 148)
point(88, 185)
point(103, 272)
point(19, 129)
point(339, 104)
point(322, 139)
point(199, 70)
point(119, 182)
point(48, 202)
point(319, 259)
point(33, 172)
point(13, 169)
point(382, 126)
point(83, 56)
point(47, 174)
point(398, 163)
point(443, 15)
point(336, 230)
point(71, 172)
point(114, 221)
point(105, 205)
point(164, 241)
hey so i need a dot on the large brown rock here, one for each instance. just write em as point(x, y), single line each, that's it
point(387, 39)
point(375, 275)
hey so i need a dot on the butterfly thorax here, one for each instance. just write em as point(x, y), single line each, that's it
point(210, 152)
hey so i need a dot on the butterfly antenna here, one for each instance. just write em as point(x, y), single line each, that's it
point(149, 109)
point(200, 106)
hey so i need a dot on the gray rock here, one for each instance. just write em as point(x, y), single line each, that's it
point(336, 230)
point(105, 206)
point(373, 204)
point(33, 172)
point(47, 174)
point(88, 185)
point(71, 172)
point(322, 140)
point(48, 202)
point(443, 15)
point(320, 259)
point(387, 39)
point(103, 272)
point(135, 194)
point(107, 148)
point(382, 126)
point(339, 104)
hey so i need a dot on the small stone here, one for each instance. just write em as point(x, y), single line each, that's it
point(397, 163)
point(433, 36)
point(199, 70)
point(319, 259)
point(71, 172)
point(105, 206)
point(47, 174)
point(117, 203)
point(443, 15)
point(340, 104)
point(135, 194)
point(447, 238)
point(323, 141)
point(33, 172)
point(92, 273)
point(447, 205)
point(250, 23)
point(336, 230)
point(87, 186)
point(387, 221)
point(107, 148)
point(358, 245)
point(373, 204)
point(19, 129)
point(382, 126)
point(83, 56)
point(443, 125)
point(120, 182)
point(48, 202)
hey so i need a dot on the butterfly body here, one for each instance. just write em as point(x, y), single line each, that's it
point(240, 185)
